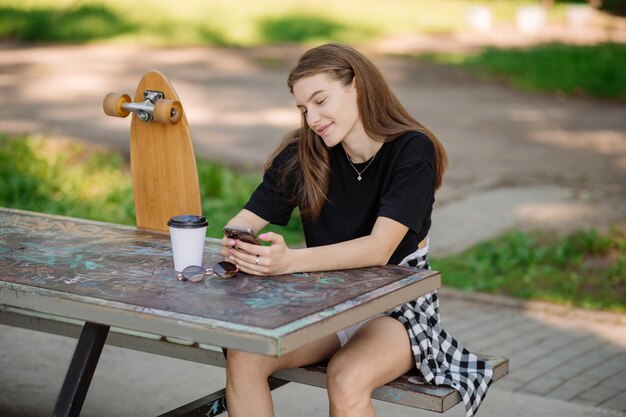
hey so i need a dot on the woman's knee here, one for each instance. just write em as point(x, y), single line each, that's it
point(346, 385)
point(247, 365)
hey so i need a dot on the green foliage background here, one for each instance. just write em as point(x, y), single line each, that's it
point(578, 70)
point(244, 23)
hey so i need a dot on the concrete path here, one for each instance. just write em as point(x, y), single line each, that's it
point(516, 160)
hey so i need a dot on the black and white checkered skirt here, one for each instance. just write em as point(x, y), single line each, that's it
point(440, 358)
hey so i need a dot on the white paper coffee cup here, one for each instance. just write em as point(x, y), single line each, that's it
point(187, 233)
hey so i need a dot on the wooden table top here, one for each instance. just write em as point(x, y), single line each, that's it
point(124, 277)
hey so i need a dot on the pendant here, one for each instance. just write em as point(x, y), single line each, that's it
point(359, 178)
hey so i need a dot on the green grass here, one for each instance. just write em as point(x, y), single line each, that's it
point(244, 23)
point(66, 178)
point(62, 178)
point(79, 24)
point(592, 71)
point(586, 269)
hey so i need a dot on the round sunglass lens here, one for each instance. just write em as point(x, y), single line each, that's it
point(225, 269)
point(193, 273)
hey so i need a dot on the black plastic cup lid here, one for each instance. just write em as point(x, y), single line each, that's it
point(188, 221)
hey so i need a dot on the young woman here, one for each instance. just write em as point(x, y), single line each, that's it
point(363, 174)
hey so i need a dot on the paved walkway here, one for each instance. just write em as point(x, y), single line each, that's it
point(516, 160)
point(552, 354)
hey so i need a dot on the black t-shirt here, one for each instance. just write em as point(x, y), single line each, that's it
point(399, 184)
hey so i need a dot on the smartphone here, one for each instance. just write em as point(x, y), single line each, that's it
point(245, 234)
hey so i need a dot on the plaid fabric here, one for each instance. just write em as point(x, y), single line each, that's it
point(438, 356)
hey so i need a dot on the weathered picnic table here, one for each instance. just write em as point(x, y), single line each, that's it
point(105, 282)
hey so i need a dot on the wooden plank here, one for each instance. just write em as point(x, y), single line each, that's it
point(124, 277)
point(116, 314)
point(358, 309)
point(135, 267)
point(409, 389)
point(124, 338)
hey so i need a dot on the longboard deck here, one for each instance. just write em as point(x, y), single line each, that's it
point(163, 163)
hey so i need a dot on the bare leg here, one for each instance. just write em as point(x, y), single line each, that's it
point(247, 391)
point(377, 353)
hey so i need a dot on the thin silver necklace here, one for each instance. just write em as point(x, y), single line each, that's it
point(360, 173)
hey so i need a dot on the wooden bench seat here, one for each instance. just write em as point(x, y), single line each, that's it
point(408, 390)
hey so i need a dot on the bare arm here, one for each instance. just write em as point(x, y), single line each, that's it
point(374, 249)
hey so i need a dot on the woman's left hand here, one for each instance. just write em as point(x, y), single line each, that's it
point(262, 260)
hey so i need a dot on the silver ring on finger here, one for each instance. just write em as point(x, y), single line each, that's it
point(257, 260)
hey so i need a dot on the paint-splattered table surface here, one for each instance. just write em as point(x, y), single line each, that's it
point(124, 277)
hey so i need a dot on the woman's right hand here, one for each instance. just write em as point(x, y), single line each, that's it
point(274, 259)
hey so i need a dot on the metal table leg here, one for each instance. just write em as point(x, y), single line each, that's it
point(83, 365)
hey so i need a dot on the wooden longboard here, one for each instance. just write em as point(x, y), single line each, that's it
point(163, 163)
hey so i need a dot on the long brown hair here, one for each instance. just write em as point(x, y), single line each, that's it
point(382, 115)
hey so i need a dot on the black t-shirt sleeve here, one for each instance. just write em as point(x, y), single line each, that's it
point(410, 194)
point(273, 200)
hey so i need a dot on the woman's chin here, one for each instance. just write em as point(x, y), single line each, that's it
point(331, 142)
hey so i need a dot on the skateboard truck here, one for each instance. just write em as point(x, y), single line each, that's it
point(154, 108)
point(145, 110)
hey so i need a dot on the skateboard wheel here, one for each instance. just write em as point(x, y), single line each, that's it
point(168, 111)
point(113, 104)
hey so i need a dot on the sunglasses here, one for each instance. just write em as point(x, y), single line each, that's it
point(196, 273)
